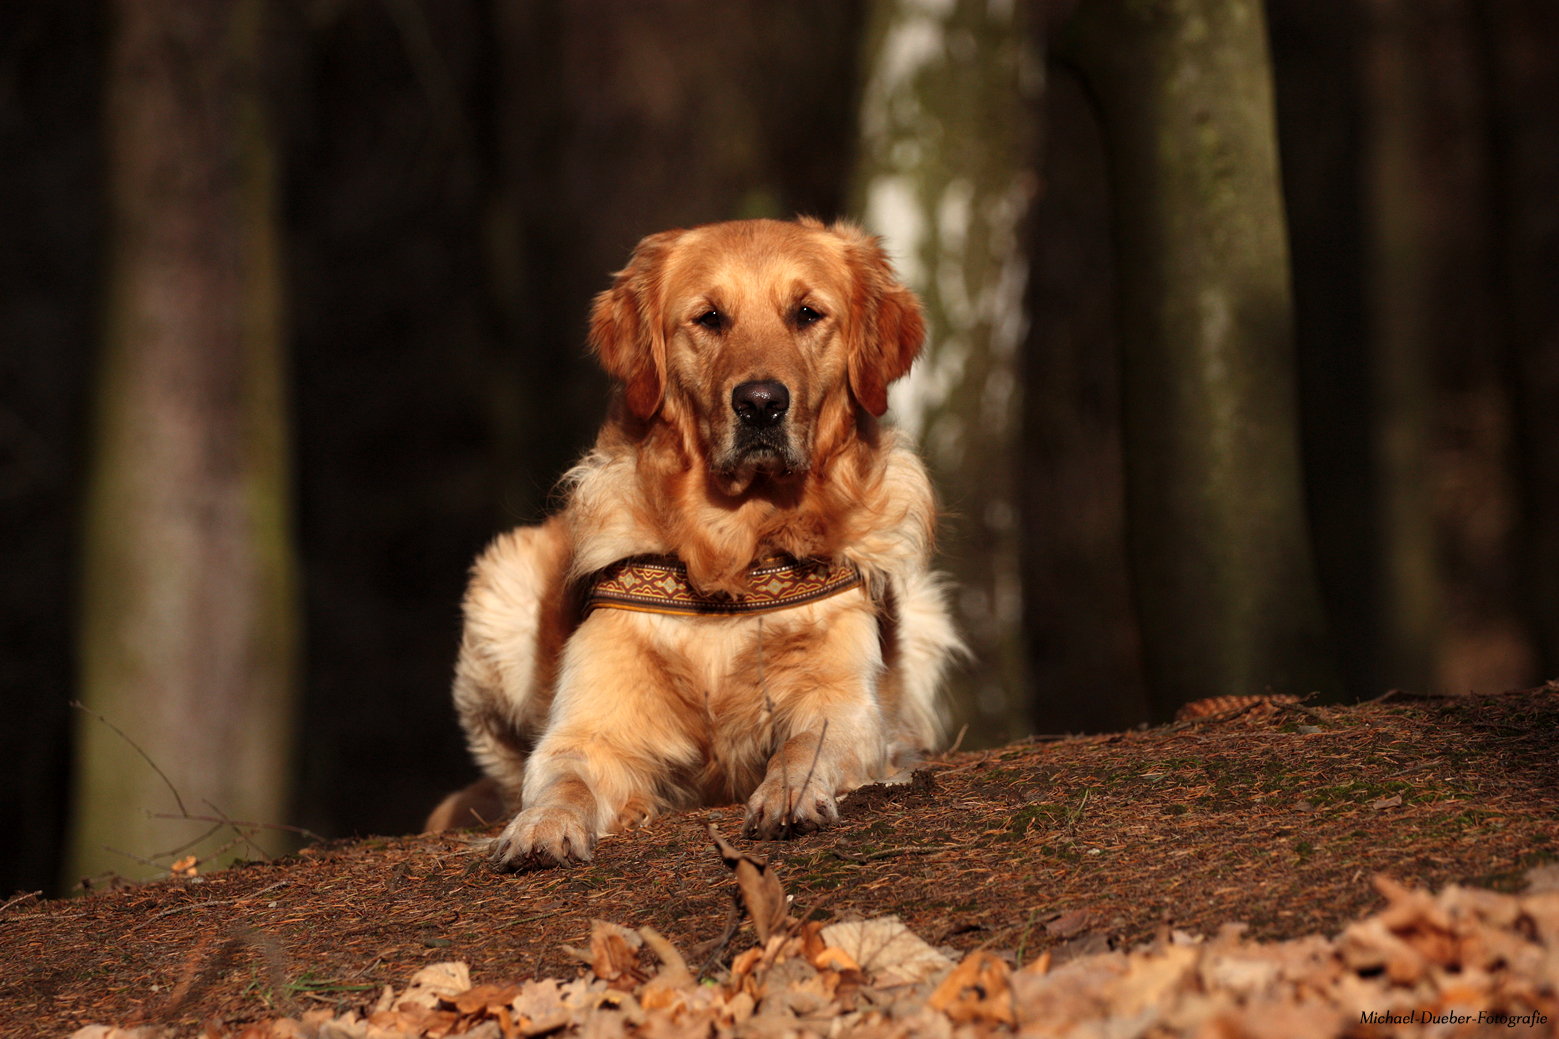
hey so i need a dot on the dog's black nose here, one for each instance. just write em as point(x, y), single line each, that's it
point(760, 403)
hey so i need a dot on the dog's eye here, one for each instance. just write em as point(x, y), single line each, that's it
point(807, 316)
point(709, 319)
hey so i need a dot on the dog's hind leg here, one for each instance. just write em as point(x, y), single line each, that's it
point(518, 614)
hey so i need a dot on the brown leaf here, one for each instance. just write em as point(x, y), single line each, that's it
point(976, 990)
point(614, 954)
point(435, 982)
point(485, 999)
point(761, 891)
point(1039, 966)
point(834, 959)
point(812, 944)
point(1070, 923)
point(886, 950)
point(673, 971)
point(415, 1020)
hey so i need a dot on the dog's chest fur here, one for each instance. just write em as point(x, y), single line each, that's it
point(740, 684)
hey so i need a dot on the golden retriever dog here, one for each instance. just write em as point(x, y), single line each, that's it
point(735, 600)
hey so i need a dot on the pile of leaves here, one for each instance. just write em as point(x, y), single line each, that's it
point(1465, 961)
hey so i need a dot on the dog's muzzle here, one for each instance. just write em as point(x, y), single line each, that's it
point(761, 436)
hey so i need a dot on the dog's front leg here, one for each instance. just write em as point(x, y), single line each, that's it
point(797, 795)
point(576, 792)
point(561, 824)
point(609, 737)
point(832, 732)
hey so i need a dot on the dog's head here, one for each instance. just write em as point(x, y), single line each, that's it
point(759, 339)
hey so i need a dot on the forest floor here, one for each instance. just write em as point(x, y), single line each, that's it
point(1277, 816)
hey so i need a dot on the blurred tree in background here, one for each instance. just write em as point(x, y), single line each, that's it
point(454, 180)
point(189, 618)
point(1219, 547)
point(1400, 262)
point(1519, 41)
point(949, 126)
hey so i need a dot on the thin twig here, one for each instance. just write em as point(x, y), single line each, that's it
point(733, 920)
point(538, 916)
point(768, 705)
point(159, 867)
point(263, 890)
point(137, 748)
point(238, 834)
point(198, 975)
point(187, 907)
point(186, 846)
point(23, 897)
point(223, 821)
point(819, 903)
point(888, 853)
point(790, 821)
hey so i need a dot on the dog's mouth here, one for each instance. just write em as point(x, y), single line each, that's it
point(768, 451)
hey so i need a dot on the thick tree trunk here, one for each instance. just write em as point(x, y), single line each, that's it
point(1320, 107)
point(188, 627)
point(947, 177)
point(1521, 39)
point(1217, 536)
point(1400, 279)
point(1085, 659)
point(1445, 457)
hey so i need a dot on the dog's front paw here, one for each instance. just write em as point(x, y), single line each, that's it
point(548, 836)
point(778, 810)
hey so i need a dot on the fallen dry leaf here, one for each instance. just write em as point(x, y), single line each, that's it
point(886, 950)
point(486, 999)
point(761, 891)
point(976, 990)
point(1070, 923)
point(439, 981)
point(673, 971)
point(614, 954)
point(414, 1019)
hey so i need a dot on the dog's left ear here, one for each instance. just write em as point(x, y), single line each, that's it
point(627, 330)
point(886, 327)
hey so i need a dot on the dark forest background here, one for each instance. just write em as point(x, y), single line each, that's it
point(455, 179)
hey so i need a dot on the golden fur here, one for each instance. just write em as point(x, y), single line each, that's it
point(589, 726)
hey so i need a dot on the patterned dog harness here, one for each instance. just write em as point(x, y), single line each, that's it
point(659, 584)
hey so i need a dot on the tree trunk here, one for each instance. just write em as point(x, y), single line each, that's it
point(1217, 537)
point(1521, 39)
point(947, 177)
point(188, 624)
point(1084, 655)
point(1403, 371)
point(1318, 73)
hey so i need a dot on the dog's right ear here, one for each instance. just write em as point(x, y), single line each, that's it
point(628, 328)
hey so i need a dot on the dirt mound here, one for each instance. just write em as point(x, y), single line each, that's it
point(1117, 851)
